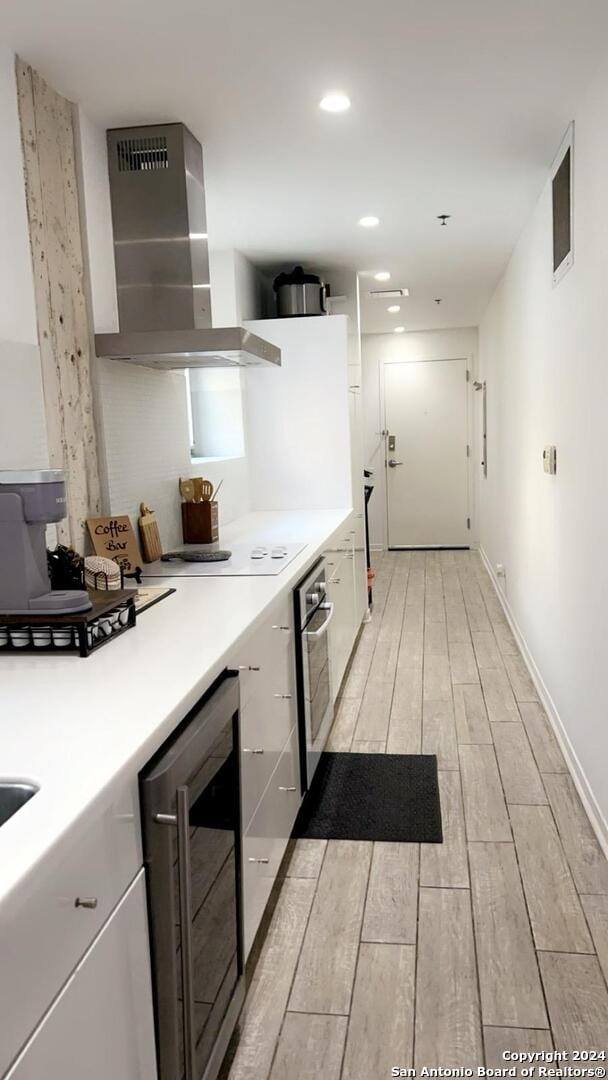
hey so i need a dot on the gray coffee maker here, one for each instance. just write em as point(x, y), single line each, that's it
point(29, 501)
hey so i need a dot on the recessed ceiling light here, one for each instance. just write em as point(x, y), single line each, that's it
point(399, 330)
point(382, 275)
point(369, 222)
point(335, 101)
point(393, 309)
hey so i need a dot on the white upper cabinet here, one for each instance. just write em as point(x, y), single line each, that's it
point(298, 424)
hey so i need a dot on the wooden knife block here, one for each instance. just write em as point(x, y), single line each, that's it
point(200, 522)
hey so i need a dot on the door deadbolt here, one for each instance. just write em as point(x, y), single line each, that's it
point(392, 443)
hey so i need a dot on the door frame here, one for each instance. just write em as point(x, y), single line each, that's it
point(469, 361)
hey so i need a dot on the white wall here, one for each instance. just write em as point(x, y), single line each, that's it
point(23, 440)
point(17, 304)
point(99, 242)
point(380, 349)
point(239, 290)
point(146, 446)
point(543, 351)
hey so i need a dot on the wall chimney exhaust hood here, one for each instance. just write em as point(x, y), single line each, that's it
point(161, 255)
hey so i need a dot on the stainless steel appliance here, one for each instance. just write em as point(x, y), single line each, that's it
point(313, 614)
point(157, 192)
point(29, 501)
point(299, 293)
point(190, 796)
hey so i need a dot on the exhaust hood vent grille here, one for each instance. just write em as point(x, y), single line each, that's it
point(142, 155)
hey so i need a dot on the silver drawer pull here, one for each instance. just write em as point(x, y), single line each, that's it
point(246, 750)
point(284, 697)
point(247, 667)
point(334, 581)
point(165, 819)
point(86, 902)
point(258, 860)
point(287, 789)
point(277, 627)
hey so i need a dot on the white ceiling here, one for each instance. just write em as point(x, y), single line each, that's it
point(458, 106)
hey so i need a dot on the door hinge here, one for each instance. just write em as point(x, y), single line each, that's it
point(468, 523)
point(468, 450)
point(468, 375)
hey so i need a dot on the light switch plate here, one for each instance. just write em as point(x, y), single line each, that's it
point(550, 460)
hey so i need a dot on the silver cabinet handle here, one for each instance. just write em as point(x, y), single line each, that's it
point(284, 697)
point(265, 861)
point(287, 789)
point(185, 918)
point(334, 581)
point(247, 667)
point(276, 627)
point(392, 464)
point(86, 902)
point(165, 819)
point(246, 750)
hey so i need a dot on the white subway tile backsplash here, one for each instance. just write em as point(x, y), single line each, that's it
point(144, 442)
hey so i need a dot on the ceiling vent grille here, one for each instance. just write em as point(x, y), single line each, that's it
point(142, 155)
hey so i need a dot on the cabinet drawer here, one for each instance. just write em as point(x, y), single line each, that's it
point(265, 728)
point(266, 838)
point(102, 1023)
point(258, 656)
point(43, 934)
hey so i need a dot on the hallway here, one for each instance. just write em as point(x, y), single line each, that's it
point(383, 955)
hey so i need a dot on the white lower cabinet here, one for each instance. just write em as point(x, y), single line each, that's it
point(102, 1023)
point(347, 589)
point(267, 835)
point(270, 762)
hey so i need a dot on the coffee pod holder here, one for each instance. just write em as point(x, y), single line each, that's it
point(111, 614)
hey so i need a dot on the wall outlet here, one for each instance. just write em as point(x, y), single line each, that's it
point(550, 460)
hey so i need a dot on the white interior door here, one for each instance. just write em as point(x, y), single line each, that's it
point(427, 464)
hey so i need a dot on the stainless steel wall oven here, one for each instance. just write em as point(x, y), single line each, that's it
point(191, 826)
point(313, 614)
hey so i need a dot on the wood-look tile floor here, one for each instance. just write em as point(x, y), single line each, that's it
point(382, 955)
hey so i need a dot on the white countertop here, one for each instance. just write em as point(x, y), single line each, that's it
point(72, 726)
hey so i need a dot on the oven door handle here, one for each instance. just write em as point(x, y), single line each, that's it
point(329, 607)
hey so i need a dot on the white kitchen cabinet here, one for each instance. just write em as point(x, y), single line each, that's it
point(346, 586)
point(44, 931)
point(358, 484)
point(270, 766)
point(267, 835)
point(102, 1025)
point(268, 708)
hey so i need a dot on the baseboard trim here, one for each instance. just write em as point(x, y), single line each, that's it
point(594, 813)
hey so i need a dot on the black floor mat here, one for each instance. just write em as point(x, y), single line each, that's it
point(373, 797)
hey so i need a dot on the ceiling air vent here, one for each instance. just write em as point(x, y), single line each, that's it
point(388, 294)
point(142, 155)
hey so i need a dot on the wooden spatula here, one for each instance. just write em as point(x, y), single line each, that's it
point(206, 490)
point(186, 489)
point(150, 536)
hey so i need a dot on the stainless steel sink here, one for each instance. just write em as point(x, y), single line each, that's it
point(13, 795)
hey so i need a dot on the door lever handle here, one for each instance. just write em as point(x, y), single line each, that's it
point(392, 464)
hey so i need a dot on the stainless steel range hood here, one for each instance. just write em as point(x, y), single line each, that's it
point(161, 256)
